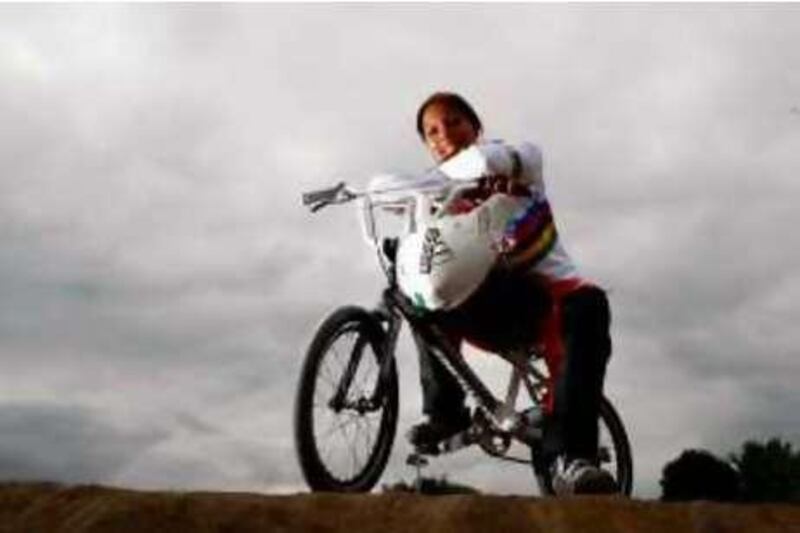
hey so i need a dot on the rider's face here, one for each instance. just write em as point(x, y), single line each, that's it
point(447, 130)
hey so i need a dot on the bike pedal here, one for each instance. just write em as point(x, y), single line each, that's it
point(416, 459)
point(460, 440)
point(427, 449)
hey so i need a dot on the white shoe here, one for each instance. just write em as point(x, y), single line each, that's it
point(580, 476)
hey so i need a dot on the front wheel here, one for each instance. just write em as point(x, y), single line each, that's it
point(614, 453)
point(343, 430)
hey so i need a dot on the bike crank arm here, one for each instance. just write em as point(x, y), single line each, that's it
point(510, 459)
point(452, 444)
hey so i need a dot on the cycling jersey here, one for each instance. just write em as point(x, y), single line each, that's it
point(532, 242)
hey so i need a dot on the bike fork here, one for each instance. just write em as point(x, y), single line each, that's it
point(388, 343)
point(394, 323)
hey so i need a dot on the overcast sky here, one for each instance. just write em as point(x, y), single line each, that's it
point(160, 282)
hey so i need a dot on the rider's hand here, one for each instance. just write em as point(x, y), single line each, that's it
point(502, 184)
point(486, 187)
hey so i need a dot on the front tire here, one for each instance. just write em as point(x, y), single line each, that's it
point(335, 445)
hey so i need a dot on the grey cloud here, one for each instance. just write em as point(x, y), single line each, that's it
point(153, 245)
point(73, 444)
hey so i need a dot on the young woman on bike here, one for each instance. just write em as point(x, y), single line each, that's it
point(570, 315)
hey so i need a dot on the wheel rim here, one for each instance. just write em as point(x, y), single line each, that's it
point(346, 438)
point(607, 453)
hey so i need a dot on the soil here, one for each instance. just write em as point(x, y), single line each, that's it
point(49, 507)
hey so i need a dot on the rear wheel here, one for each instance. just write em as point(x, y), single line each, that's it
point(343, 434)
point(614, 453)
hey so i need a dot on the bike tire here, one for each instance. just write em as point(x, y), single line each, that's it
point(316, 471)
point(621, 448)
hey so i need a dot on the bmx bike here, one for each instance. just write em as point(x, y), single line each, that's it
point(346, 408)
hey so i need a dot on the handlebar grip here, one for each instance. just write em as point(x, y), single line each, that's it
point(322, 195)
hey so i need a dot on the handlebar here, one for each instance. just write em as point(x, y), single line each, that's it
point(323, 197)
point(340, 193)
point(417, 206)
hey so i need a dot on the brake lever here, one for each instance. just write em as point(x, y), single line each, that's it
point(325, 195)
point(319, 205)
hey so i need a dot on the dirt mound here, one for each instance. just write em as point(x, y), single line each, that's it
point(54, 508)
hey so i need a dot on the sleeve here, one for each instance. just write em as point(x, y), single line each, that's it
point(522, 163)
point(399, 185)
point(531, 173)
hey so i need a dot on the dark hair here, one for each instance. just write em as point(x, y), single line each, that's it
point(451, 100)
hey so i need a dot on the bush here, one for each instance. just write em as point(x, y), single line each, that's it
point(431, 486)
point(770, 471)
point(700, 475)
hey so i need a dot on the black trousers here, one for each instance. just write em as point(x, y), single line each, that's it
point(572, 429)
point(442, 396)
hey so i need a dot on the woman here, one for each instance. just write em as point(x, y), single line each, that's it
point(569, 314)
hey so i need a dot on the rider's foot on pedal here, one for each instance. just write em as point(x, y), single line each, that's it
point(580, 476)
point(426, 436)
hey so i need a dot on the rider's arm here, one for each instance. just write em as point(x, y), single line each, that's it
point(530, 166)
point(503, 163)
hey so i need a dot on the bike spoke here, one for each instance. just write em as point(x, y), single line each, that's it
point(351, 340)
point(325, 374)
point(360, 433)
point(327, 454)
point(368, 377)
point(332, 451)
point(337, 358)
point(349, 438)
point(338, 427)
point(330, 376)
point(322, 397)
point(369, 442)
point(354, 457)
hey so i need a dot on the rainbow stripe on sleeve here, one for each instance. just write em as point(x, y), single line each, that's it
point(530, 235)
